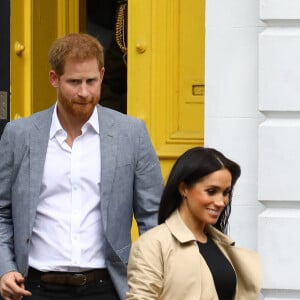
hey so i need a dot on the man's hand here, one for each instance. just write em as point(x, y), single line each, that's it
point(12, 286)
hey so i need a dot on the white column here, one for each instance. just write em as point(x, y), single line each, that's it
point(231, 103)
point(279, 148)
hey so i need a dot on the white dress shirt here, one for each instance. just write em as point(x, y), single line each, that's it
point(68, 232)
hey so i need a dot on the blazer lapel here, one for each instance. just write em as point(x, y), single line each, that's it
point(39, 138)
point(108, 148)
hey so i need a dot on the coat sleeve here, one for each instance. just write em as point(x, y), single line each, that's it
point(148, 182)
point(145, 270)
point(7, 261)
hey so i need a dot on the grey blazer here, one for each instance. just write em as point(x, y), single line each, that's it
point(131, 183)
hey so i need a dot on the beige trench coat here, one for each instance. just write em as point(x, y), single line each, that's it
point(165, 264)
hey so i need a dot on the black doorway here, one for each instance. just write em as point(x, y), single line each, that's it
point(106, 20)
point(4, 63)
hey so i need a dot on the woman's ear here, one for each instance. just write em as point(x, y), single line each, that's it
point(182, 189)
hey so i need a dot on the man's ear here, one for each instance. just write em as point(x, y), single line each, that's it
point(102, 71)
point(53, 78)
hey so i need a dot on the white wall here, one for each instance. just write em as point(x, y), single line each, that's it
point(279, 148)
point(252, 114)
point(231, 102)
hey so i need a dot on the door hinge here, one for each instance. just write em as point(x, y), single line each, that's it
point(3, 105)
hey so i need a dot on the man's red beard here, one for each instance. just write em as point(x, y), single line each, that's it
point(79, 108)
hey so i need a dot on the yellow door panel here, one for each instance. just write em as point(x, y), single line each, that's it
point(191, 66)
point(34, 26)
point(20, 58)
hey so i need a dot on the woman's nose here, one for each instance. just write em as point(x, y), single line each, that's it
point(221, 200)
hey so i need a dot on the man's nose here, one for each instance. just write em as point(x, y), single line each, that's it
point(83, 90)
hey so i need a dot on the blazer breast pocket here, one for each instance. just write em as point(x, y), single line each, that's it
point(125, 153)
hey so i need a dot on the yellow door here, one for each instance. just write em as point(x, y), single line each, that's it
point(34, 26)
point(166, 73)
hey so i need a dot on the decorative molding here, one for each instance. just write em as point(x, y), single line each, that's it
point(67, 17)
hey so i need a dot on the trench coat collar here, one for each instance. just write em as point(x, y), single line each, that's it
point(184, 235)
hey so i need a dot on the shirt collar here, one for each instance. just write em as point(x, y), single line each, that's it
point(93, 122)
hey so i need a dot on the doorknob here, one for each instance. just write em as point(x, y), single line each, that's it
point(141, 46)
point(19, 48)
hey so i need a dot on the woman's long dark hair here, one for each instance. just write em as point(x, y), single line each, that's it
point(190, 168)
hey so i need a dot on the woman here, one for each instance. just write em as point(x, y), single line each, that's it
point(189, 256)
